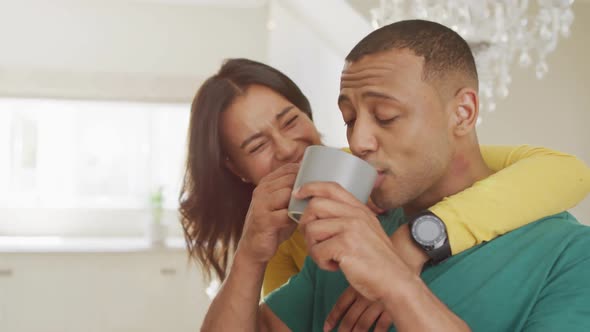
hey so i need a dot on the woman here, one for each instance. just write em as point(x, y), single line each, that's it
point(250, 119)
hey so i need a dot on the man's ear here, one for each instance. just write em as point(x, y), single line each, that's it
point(466, 112)
point(234, 169)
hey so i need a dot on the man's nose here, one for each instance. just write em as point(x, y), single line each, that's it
point(361, 138)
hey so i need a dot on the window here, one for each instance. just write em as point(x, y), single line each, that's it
point(91, 155)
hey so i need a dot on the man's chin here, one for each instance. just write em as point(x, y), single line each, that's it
point(383, 202)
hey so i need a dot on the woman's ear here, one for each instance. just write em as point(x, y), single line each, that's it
point(466, 112)
point(232, 168)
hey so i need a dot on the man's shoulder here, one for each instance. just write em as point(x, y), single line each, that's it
point(561, 224)
point(576, 234)
point(557, 238)
point(564, 233)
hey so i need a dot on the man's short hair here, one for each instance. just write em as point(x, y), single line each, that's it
point(445, 53)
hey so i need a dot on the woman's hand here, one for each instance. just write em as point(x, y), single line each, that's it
point(355, 313)
point(267, 224)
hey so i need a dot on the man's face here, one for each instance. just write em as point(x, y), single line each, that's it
point(398, 123)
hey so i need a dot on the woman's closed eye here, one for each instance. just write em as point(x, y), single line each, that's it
point(291, 122)
point(257, 147)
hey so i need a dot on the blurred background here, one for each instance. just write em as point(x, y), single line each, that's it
point(94, 106)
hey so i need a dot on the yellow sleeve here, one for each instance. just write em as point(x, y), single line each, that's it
point(530, 183)
point(279, 269)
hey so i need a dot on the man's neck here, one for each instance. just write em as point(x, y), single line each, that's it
point(466, 168)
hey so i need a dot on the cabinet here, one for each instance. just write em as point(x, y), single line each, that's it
point(151, 290)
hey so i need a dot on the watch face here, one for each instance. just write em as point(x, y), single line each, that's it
point(429, 231)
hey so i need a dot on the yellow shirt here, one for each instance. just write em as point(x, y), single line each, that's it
point(530, 183)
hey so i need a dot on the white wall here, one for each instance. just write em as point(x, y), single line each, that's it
point(554, 111)
point(121, 49)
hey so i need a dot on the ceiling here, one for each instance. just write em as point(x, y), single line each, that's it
point(364, 6)
point(208, 3)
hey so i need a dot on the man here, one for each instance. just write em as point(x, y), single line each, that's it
point(409, 99)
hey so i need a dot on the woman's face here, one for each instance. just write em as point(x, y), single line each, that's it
point(262, 131)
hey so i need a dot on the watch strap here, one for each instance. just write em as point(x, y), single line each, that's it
point(440, 254)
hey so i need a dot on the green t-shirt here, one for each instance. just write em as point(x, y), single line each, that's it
point(536, 278)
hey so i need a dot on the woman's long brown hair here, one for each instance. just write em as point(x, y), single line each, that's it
point(214, 201)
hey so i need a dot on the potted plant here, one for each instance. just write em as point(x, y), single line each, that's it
point(156, 230)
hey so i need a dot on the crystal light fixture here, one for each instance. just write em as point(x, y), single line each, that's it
point(498, 32)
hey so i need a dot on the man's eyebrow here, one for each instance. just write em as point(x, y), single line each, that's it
point(374, 94)
point(368, 94)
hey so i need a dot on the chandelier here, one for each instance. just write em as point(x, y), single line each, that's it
point(498, 32)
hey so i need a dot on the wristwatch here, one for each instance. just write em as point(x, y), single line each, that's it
point(429, 232)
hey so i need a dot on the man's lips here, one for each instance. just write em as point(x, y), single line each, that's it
point(379, 180)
